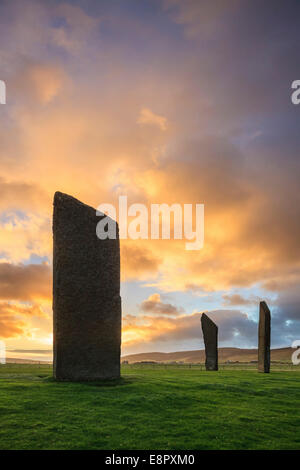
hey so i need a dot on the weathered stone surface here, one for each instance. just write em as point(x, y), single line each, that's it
point(86, 295)
point(264, 338)
point(210, 335)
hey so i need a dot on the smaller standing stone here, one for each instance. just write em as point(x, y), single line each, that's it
point(210, 335)
point(264, 338)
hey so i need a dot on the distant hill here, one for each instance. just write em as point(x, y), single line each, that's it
point(197, 356)
point(18, 360)
point(225, 354)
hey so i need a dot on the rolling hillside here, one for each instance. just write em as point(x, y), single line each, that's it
point(225, 354)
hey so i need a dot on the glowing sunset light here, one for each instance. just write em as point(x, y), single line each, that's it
point(178, 110)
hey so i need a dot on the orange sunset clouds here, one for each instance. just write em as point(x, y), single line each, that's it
point(166, 103)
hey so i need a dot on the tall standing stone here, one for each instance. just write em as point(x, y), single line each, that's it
point(86, 295)
point(210, 335)
point(264, 338)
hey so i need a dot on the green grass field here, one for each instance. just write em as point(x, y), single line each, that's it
point(150, 408)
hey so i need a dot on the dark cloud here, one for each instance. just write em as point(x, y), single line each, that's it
point(231, 300)
point(288, 305)
point(154, 305)
point(235, 327)
point(25, 282)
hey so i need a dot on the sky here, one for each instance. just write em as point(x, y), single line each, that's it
point(165, 101)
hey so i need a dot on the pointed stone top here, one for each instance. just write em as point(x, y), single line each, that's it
point(263, 305)
point(63, 198)
point(65, 201)
point(205, 320)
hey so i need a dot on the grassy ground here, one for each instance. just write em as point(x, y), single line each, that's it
point(162, 408)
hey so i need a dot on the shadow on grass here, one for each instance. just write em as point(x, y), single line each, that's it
point(95, 383)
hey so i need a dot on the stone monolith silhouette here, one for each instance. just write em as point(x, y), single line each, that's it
point(264, 338)
point(210, 335)
point(86, 295)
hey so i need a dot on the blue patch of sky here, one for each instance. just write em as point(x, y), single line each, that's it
point(135, 292)
point(36, 259)
point(11, 216)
